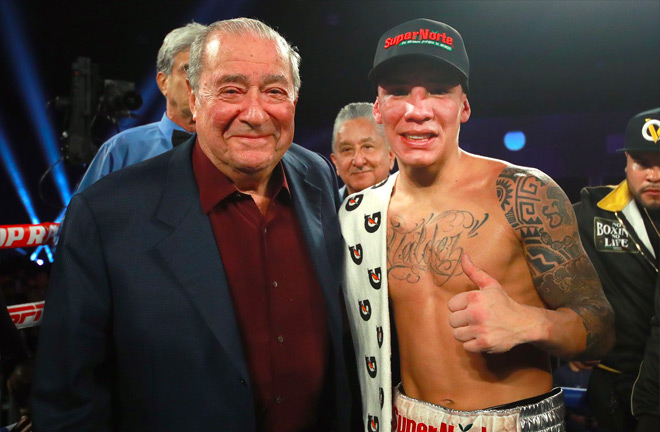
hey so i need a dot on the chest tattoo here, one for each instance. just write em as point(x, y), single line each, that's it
point(431, 245)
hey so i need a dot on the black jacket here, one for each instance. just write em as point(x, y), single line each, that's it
point(628, 270)
point(646, 392)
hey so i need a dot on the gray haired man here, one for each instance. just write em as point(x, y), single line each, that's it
point(143, 142)
point(359, 150)
point(200, 289)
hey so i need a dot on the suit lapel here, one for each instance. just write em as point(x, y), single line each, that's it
point(191, 253)
point(307, 200)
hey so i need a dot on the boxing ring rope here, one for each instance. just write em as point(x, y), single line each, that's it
point(19, 236)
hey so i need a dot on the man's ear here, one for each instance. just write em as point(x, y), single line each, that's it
point(390, 154)
point(377, 116)
point(161, 80)
point(466, 111)
point(334, 160)
point(192, 99)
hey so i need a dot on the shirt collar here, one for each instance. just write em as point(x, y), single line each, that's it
point(166, 127)
point(214, 186)
point(617, 199)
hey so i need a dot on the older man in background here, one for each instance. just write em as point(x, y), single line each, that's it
point(143, 142)
point(359, 150)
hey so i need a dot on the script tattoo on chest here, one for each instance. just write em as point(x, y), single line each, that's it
point(431, 245)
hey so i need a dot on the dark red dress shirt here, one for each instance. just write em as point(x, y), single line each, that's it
point(280, 309)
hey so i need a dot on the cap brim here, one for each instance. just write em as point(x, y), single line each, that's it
point(377, 73)
point(637, 150)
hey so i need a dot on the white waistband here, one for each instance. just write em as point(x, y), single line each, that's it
point(546, 415)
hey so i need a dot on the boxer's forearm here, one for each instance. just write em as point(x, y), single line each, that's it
point(573, 291)
point(597, 318)
point(586, 333)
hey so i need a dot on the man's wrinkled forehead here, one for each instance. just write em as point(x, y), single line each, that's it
point(221, 43)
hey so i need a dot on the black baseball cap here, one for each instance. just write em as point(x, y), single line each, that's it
point(421, 38)
point(643, 132)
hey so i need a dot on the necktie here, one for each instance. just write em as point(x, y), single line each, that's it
point(179, 137)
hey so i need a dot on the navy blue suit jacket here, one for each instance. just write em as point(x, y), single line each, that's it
point(139, 333)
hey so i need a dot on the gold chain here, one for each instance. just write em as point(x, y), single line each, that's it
point(651, 220)
point(639, 249)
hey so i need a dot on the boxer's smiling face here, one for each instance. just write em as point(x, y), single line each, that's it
point(421, 107)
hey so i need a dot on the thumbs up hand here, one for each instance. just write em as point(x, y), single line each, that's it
point(487, 319)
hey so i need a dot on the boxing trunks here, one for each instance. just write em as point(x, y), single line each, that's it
point(544, 413)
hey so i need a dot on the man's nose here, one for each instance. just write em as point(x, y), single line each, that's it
point(253, 111)
point(653, 173)
point(417, 107)
point(359, 159)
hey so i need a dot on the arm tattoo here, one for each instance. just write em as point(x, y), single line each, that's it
point(430, 245)
point(541, 214)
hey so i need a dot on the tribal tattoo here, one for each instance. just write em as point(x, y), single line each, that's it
point(539, 211)
point(431, 245)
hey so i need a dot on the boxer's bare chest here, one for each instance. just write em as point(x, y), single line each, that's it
point(427, 243)
point(427, 237)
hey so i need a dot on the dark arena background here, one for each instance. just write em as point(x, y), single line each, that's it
point(567, 74)
point(552, 85)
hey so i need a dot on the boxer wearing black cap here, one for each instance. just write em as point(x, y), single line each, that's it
point(474, 340)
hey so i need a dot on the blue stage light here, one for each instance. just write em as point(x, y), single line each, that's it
point(49, 253)
point(9, 161)
point(514, 140)
point(26, 78)
point(35, 254)
point(60, 216)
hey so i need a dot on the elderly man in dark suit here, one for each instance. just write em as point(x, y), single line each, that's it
point(199, 290)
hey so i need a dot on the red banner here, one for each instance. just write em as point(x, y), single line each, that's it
point(18, 236)
point(26, 315)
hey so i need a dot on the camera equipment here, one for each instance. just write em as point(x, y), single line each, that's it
point(91, 98)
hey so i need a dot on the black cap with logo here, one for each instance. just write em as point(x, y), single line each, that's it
point(421, 38)
point(643, 132)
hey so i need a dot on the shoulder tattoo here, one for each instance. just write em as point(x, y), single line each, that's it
point(542, 216)
point(538, 210)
